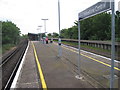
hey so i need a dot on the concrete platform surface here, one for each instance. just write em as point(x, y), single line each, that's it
point(56, 71)
point(28, 77)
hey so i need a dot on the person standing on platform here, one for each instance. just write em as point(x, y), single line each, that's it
point(46, 40)
point(51, 41)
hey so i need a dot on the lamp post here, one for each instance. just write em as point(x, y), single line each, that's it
point(44, 23)
point(38, 34)
point(59, 39)
point(40, 31)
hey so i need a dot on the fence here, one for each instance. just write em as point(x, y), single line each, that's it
point(98, 44)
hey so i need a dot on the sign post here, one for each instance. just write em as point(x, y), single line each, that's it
point(113, 45)
point(79, 50)
point(98, 8)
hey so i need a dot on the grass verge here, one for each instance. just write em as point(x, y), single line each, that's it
point(85, 46)
point(96, 50)
point(6, 47)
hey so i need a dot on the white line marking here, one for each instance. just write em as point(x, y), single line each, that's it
point(92, 53)
point(19, 69)
point(101, 56)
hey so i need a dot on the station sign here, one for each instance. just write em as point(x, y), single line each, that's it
point(98, 8)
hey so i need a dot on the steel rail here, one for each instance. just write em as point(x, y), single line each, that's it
point(19, 52)
point(8, 57)
point(8, 85)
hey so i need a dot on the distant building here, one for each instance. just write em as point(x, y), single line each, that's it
point(119, 6)
point(33, 37)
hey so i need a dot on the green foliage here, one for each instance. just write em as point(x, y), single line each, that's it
point(49, 35)
point(117, 26)
point(24, 36)
point(94, 28)
point(10, 33)
point(6, 47)
point(97, 27)
point(55, 35)
point(0, 38)
point(71, 33)
point(43, 35)
point(0, 49)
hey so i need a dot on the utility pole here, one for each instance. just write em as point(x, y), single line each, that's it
point(44, 24)
point(59, 39)
point(40, 31)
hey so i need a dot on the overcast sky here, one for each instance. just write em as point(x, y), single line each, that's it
point(27, 14)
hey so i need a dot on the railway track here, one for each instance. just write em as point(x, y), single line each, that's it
point(10, 64)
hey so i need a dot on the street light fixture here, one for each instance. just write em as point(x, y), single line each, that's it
point(40, 32)
point(44, 24)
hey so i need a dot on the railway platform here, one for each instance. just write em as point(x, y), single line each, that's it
point(42, 68)
point(28, 77)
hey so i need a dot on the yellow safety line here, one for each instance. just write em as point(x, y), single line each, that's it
point(44, 86)
point(92, 58)
point(100, 62)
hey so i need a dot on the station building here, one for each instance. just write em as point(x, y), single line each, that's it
point(33, 37)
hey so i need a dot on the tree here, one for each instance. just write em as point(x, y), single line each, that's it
point(94, 28)
point(85, 30)
point(49, 35)
point(24, 36)
point(117, 27)
point(10, 33)
point(0, 38)
point(63, 33)
point(55, 35)
point(71, 33)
